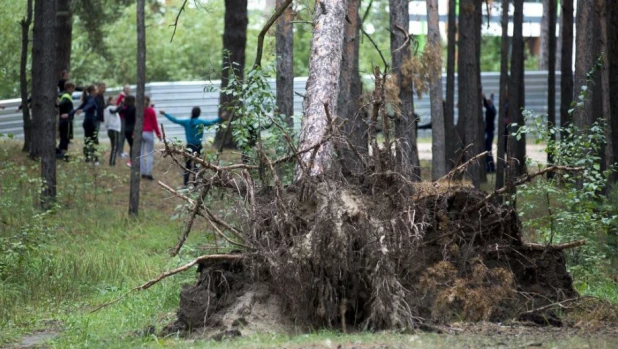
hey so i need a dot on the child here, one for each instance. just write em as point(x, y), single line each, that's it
point(113, 126)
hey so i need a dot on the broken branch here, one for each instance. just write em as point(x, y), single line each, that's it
point(271, 20)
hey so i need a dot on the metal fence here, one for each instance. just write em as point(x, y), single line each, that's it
point(177, 98)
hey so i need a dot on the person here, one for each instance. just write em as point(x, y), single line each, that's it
point(65, 110)
point(64, 77)
point(126, 90)
point(89, 108)
point(100, 99)
point(112, 124)
point(194, 132)
point(151, 127)
point(490, 120)
point(127, 109)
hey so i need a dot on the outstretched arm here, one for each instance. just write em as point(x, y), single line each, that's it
point(172, 118)
point(210, 122)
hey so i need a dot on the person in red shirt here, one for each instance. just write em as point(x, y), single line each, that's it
point(126, 90)
point(151, 127)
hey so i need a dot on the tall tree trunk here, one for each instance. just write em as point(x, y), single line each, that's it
point(504, 83)
point(468, 82)
point(322, 84)
point(516, 100)
point(64, 28)
point(285, 64)
point(23, 81)
point(405, 124)
point(605, 89)
point(544, 54)
point(612, 63)
point(234, 43)
point(438, 132)
point(350, 89)
point(44, 95)
point(139, 110)
point(479, 144)
point(566, 62)
point(551, 67)
point(449, 110)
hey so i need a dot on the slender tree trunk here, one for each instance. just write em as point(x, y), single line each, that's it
point(605, 87)
point(234, 43)
point(350, 90)
point(551, 67)
point(504, 82)
point(322, 84)
point(479, 144)
point(566, 62)
point(438, 132)
point(405, 124)
point(44, 95)
point(469, 83)
point(23, 81)
point(285, 64)
point(449, 111)
point(516, 100)
point(64, 27)
point(544, 54)
point(612, 63)
point(139, 110)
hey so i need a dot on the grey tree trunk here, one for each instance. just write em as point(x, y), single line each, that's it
point(350, 89)
point(44, 95)
point(449, 111)
point(566, 62)
point(284, 38)
point(612, 62)
point(504, 83)
point(234, 43)
point(139, 110)
point(544, 54)
point(438, 132)
point(516, 89)
point(468, 83)
point(405, 124)
point(23, 81)
point(322, 85)
point(64, 27)
point(551, 67)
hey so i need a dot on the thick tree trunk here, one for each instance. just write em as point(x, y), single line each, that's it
point(64, 28)
point(44, 95)
point(516, 98)
point(449, 111)
point(350, 89)
point(551, 67)
point(234, 43)
point(566, 62)
point(285, 64)
point(438, 132)
point(405, 124)
point(139, 110)
point(468, 83)
point(23, 81)
point(544, 54)
point(504, 83)
point(322, 85)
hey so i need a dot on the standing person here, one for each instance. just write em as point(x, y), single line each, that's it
point(100, 99)
point(112, 124)
point(151, 127)
point(65, 110)
point(194, 131)
point(89, 108)
point(126, 90)
point(64, 77)
point(128, 110)
point(490, 120)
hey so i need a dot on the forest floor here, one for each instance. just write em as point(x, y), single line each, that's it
point(89, 252)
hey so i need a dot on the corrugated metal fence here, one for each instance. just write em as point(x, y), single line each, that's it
point(177, 98)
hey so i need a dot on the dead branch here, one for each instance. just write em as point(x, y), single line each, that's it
point(549, 306)
point(176, 193)
point(269, 23)
point(169, 273)
point(406, 34)
point(194, 212)
point(223, 223)
point(221, 234)
point(376, 47)
point(564, 246)
point(458, 170)
point(175, 25)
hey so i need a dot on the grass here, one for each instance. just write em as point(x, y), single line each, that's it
point(55, 267)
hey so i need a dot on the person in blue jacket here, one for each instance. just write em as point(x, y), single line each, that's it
point(194, 131)
point(89, 108)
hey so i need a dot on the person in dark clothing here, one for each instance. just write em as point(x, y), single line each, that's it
point(99, 98)
point(65, 111)
point(490, 121)
point(89, 108)
point(128, 111)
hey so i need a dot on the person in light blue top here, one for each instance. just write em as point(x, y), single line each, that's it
point(194, 131)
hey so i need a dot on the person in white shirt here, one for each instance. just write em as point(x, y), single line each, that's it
point(113, 126)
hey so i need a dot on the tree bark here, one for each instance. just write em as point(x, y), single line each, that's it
point(479, 144)
point(609, 157)
point(566, 62)
point(139, 110)
point(449, 111)
point(322, 85)
point(405, 123)
point(516, 89)
point(64, 28)
point(469, 83)
point(350, 88)
point(551, 67)
point(234, 44)
point(285, 64)
point(544, 54)
point(438, 132)
point(44, 95)
point(612, 63)
point(504, 82)
point(23, 81)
